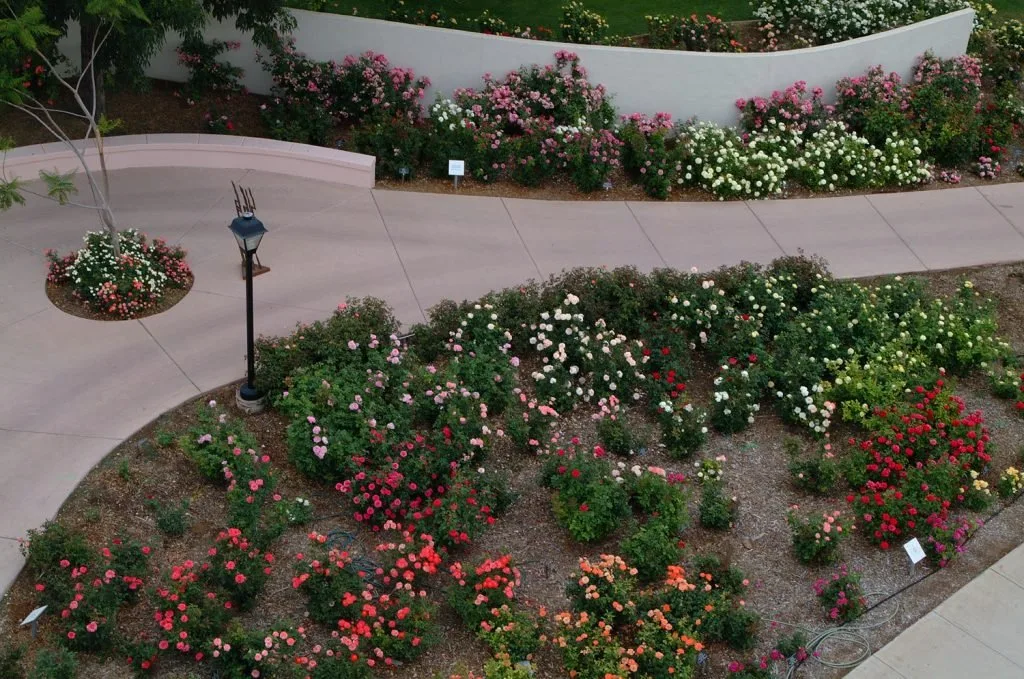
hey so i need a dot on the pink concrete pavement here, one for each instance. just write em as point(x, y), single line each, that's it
point(72, 389)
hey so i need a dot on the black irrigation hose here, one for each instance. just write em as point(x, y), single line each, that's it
point(794, 666)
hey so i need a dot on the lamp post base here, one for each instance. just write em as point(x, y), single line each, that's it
point(249, 401)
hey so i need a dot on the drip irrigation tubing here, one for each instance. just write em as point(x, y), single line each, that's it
point(854, 633)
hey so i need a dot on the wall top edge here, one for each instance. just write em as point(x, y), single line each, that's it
point(556, 46)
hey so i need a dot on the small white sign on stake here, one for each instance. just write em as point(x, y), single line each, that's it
point(456, 169)
point(914, 551)
point(33, 619)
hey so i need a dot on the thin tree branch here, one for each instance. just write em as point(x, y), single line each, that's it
point(95, 52)
point(56, 200)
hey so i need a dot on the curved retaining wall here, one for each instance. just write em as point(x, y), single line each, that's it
point(684, 84)
point(200, 150)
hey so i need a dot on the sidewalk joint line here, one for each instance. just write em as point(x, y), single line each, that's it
point(401, 263)
point(171, 358)
point(996, 208)
point(4, 537)
point(199, 221)
point(646, 235)
point(57, 433)
point(521, 239)
point(20, 245)
point(960, 627)
point(893, 229)
point(765, 227)
point(1003, 576)
point(13, 323)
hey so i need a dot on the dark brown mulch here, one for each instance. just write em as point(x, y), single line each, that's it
point(63, 297)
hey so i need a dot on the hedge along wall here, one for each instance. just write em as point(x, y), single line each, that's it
point(684, 84)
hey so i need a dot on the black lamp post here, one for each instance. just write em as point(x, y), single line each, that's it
point(248, 231)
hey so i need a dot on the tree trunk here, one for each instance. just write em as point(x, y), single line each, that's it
point(89, 29)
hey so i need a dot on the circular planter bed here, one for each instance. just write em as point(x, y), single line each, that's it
point(134, 280)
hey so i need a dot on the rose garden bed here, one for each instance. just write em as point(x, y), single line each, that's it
point(547, 131)
point(525, 433)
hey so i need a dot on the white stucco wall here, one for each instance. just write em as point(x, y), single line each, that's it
point(684, 84)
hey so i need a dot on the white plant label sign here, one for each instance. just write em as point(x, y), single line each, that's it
point(914, 551)
point(456, 168)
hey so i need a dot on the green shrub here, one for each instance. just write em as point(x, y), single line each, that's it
point(325, 575)
point(652, 549)
point(593, 513)
point(171, 519)
point(732, 624)
point(717, 511)
point(817, 474)
point(220, 446)
point(54, 663)
point(396, 142)
point(355, 319)
point(292, 121)
point(47, 548)
point(205, 72)
point(660, 499)
point(10, 661)
point(616, 436)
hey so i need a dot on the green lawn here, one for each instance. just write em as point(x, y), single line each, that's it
point(1009, 9)
point(625, 17)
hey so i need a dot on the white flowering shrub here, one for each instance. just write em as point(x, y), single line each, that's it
point(807, 406)
point(683, 427)
point(583, 362)
point(717, 160)
point(834, 158)
point(735, 396)
point(828, 21)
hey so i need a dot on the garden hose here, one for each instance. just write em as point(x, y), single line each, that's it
point(853, 634)
point(849, 634)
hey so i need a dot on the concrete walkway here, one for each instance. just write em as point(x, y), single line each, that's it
point(974, 633)
point(73, 389)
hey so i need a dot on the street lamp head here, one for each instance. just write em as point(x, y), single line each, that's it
point(248, 231)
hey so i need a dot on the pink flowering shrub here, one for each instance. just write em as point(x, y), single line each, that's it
point(238, 568)
point(816, 537)
point(559, 93)
point(841, 595)
point(650, 154)
point(359, 87)
point(987, 168)
point(484, 597)
point(530, 125)
point(873, 104)
point(309, 97)
point(796, 106)
point(205, 72)
point(85, 588)
point(692, 33)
